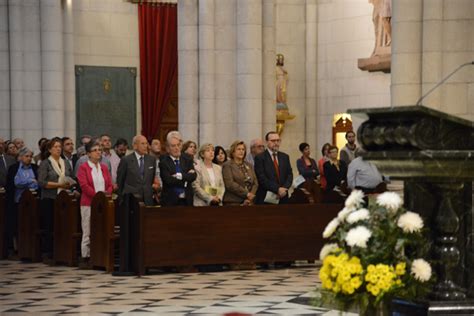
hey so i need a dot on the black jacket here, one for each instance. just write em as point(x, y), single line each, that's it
point(267, 177)
point(170, 183)
point(333, 176)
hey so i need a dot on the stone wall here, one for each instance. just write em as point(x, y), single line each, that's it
point(40, 43)
point(432, 39)
point(106, 34)
point(346, 33)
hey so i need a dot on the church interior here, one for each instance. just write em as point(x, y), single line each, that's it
point(385, 82)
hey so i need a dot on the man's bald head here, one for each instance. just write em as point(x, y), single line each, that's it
point(140, 144)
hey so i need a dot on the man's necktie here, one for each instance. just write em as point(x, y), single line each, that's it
point(178, 166)
point(179, 191)
point(142, 167)
point(3, 165)
point(277, 169)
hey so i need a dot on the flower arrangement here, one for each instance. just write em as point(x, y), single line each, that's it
point(374, 254)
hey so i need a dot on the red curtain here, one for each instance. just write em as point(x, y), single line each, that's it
point(158, 31)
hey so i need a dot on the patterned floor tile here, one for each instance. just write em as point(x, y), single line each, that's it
point(38, 288)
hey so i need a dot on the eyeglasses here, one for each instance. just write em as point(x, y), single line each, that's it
point(274, 140)
point(96, 149)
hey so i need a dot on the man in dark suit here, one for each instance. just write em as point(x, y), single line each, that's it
point(177, 173)
point(273, 170)
point(136, 172)
point(68, 149)
point(5, 162)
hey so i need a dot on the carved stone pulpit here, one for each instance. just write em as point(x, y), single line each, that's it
point(433, 153)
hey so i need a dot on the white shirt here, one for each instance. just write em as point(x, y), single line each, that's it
point(271, 154)
point(97, 177)
point(212, 176)
point(138, 159)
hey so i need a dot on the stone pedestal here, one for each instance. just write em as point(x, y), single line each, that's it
point(433, 153)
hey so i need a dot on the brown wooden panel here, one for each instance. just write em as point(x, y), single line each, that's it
point(207, 235)
point(102, 232)
point(169, 121)
point(29, 227)
point(66, 228)
point(3, 221)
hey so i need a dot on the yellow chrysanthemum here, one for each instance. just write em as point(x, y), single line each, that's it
point(400, 268)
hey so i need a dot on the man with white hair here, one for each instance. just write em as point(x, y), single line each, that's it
point(177, 173)
point(256, 147)
point(19, 143)
point(136, 172)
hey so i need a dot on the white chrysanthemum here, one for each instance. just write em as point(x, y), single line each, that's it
point(390, 200)
point(358, 236)
point(359, 215)
point(326, 250)
point(331, 228)
point(355, 199)
point(344, 212)
point(421, 270)
point(410, 222)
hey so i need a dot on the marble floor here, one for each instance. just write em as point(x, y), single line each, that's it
point(41, 289)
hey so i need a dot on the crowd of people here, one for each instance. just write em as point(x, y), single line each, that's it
point(187, 175)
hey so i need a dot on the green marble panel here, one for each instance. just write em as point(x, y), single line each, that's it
point(106, 101)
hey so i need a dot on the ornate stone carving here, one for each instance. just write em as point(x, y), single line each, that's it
point(420, 130)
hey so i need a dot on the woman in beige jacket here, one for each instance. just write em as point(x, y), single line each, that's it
point(239, 177)
point(209, 185)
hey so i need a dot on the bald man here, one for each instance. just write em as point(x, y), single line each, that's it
point(136, 172)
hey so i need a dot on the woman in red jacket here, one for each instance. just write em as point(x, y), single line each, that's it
point(93, 177)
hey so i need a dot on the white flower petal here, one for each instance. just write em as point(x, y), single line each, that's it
point(390, 200)
point(344, 212)
point(355, 199)
point(359, 215)
point(326, 250)
point(358, 236)
point(410, 222)
point(331, 228)
point(421, 270)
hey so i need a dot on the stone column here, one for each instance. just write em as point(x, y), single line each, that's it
point(249, 69)
point(52, 71)
point(25, 71)
point(4, 72)
point(225, 76)
point(432, 57)
point(311, 74)
point(69, 85)
point(268, 65)
point(447, 44)
point(207, 106)
point(188, 69)
point(407, 22)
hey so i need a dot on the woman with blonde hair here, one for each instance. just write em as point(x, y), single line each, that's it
point(209, 185)
point(239, 177)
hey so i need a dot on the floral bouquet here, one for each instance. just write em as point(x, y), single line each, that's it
point(374, 254)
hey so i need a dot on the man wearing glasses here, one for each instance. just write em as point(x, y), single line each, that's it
point(274, 174)
point(256, 147)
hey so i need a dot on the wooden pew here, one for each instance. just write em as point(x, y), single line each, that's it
point(184, 236)
point(308, 192)
point(67, 232)
point(102, 230)
point(29, 232)
point(3, 221)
